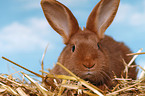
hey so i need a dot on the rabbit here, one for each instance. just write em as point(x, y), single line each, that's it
point(89, 53)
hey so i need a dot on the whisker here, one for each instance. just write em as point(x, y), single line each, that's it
point(106, 76)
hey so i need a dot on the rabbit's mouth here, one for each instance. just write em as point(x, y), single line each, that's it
point(88, 75)
point(92, 77)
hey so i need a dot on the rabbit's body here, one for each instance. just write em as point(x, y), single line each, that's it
point(89, 53)
point(106, 62)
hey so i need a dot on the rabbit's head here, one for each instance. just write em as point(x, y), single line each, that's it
point(84, 54)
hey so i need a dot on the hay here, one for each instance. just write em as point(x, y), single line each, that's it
point(70, 85)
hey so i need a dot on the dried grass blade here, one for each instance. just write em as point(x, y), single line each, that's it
point(88, 85)
point(90, 94)
point(62, 88)
point(42, 89)
point(10, 81)
point(70, 86)
point(9, 89)
point(21, 92)
point(126, 88)
point(68, 71)
point(42, 64)
point(19, 75)
point(142, 75)
point(131, 61)
point(62, 77)
point(2, 90)
point(135, 54)
point(92, 87)
point(23, 67)
point(123, 89)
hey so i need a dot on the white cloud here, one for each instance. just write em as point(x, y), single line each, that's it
point(137, 19)
point(29, 4)
point(73, 2)
point(131, 14)
point(35, 33)
point(24, 37)
point(32, 4)
point(123, 13)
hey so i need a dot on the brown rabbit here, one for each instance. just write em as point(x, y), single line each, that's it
point(89, 53)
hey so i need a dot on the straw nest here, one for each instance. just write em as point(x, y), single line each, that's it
point(70, 85)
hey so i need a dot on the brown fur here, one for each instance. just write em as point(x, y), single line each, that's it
point(96, 57)
point(107, 59)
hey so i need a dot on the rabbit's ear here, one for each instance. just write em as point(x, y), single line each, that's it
point(102, 16)
point(60, 18)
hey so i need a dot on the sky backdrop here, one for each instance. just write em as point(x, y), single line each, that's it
point(25, 33)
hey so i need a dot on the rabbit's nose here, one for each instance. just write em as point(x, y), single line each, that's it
point(88, 66)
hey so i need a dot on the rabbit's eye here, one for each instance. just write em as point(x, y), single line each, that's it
point(98, 45)
point(73, 48)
